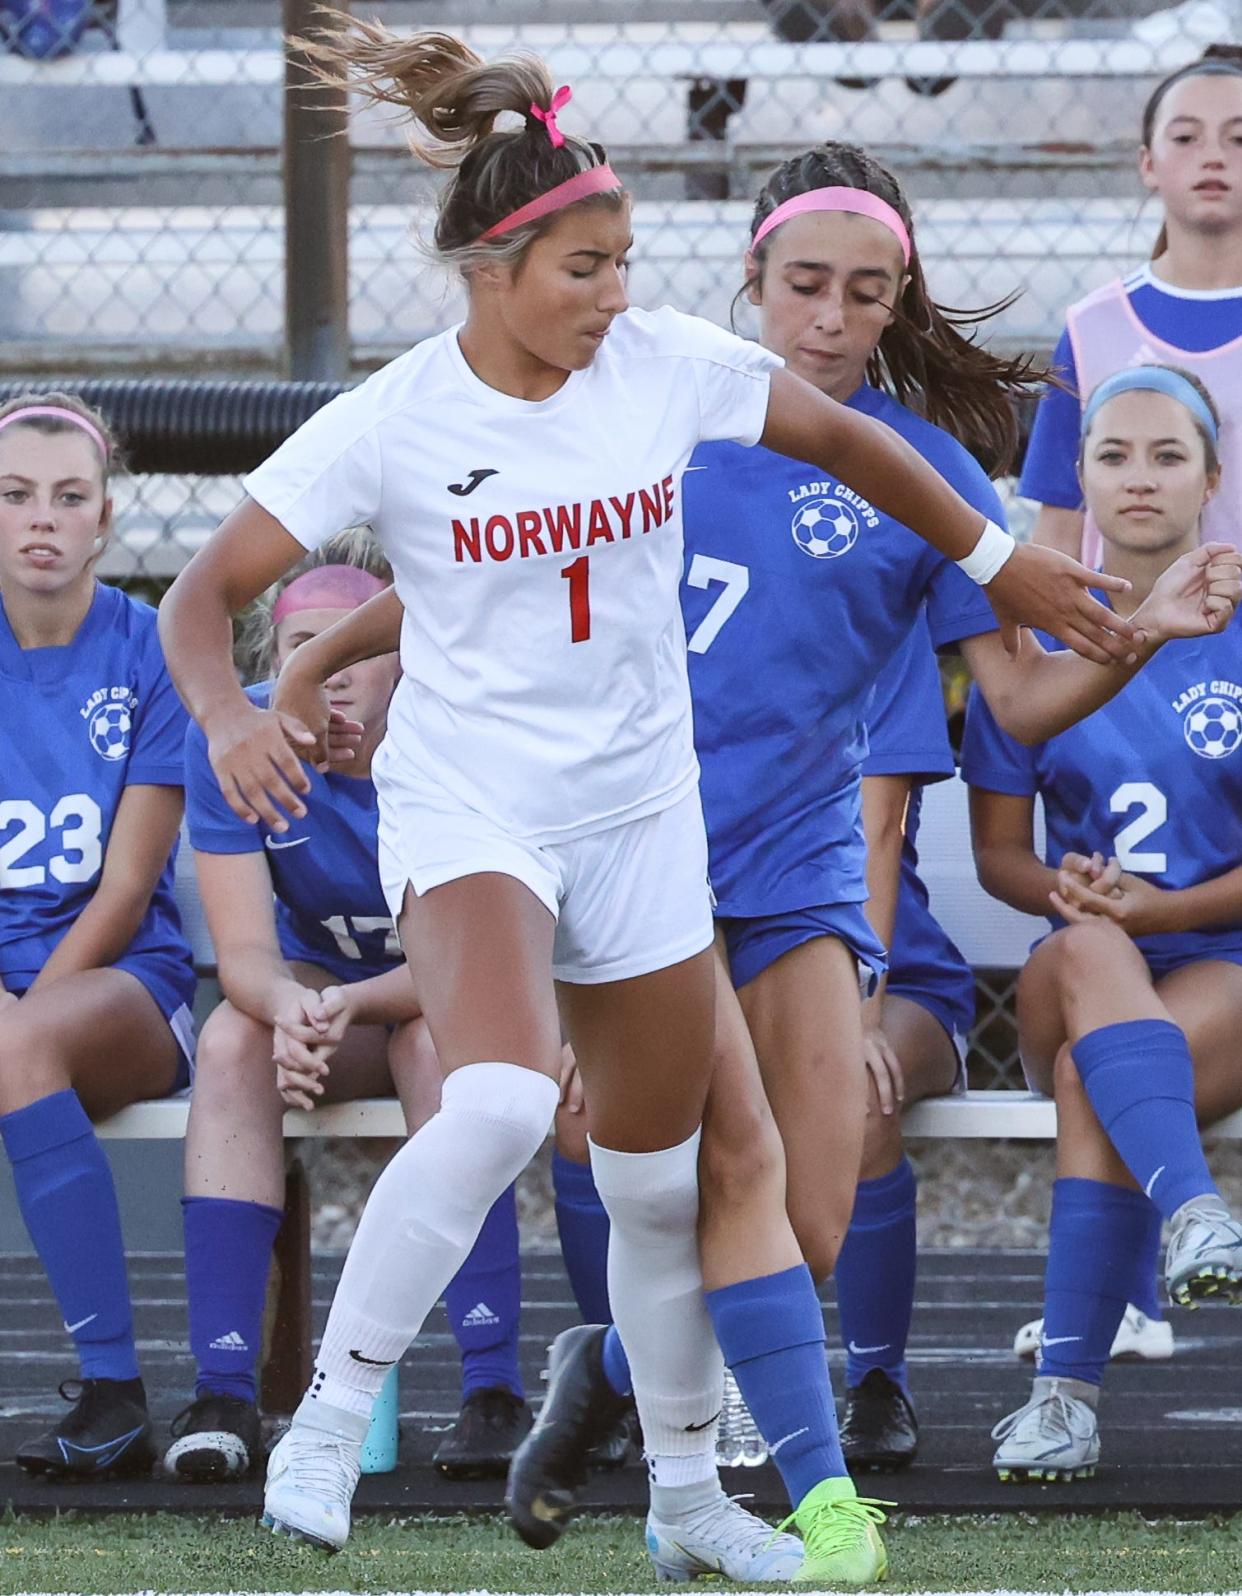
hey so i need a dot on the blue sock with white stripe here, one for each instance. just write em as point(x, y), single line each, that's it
point(67, 1198)
point(1095, 1238)
point(228, 1254)
point(771, 1332)
point(875, 1276)
point(483, 1302)
point(1140, 1079)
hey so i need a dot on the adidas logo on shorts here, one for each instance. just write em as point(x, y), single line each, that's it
point(480, 1315)
point(231, 1342)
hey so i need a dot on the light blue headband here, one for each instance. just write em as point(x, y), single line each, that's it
point(1152, 379)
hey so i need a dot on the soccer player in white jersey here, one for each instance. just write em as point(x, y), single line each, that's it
point(1128, 1011)
point(539, 815)
point(96, 978)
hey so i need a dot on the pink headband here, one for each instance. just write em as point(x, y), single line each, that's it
point(595, 180)
point(855, 200)
point(327, 587)
point(58, 414)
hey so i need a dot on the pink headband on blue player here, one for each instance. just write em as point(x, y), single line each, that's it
point(327, 587)
point(1151, 379)
point(856, 201)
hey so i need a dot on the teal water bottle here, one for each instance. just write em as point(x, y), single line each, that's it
point(379, 1450)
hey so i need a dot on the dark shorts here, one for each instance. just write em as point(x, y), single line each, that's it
point(754, 942)
point(170, 981)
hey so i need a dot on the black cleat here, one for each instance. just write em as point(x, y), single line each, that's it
point(580, 1412)
point(215, 1438)
point(622, 1445)
point(489, 1429)
point(106, 1434)
point(879, 1432)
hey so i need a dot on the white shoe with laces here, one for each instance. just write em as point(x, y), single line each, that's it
point(311, 1478)
point(1055, 1436)
point(1139, 1337)
point(723, 1538)
point(1204, 1258)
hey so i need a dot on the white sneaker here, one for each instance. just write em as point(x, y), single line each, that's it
point(723, 1539)
point(311, 1478)
point(1203, 1262)
point(1138, 1337)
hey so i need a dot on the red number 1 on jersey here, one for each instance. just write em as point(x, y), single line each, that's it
point(578, 577)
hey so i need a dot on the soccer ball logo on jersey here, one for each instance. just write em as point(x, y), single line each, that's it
point(828, 519)
point(109, 717)
point(1211, 718)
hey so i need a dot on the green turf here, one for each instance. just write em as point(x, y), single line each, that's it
point(174, 1553)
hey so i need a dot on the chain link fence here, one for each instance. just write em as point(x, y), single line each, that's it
point(142, 204)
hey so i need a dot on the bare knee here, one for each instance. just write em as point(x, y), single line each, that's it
point(882, 1141)
point(740, 1160)
point(31, 1065)
point(233, 1059)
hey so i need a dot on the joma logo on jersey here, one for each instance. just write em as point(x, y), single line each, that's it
point(530, 533)
point(1211, 718)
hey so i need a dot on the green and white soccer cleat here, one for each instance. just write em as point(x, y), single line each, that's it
point(1053, 1437)
point(1204, 1258)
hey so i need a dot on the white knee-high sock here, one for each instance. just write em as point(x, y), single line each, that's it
point(655, 1284)
point(421, 1220)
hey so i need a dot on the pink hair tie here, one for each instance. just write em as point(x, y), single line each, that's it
point(560, 99)
point(595, 180)
point(856, 201)
point(58, 413)
point(327, 587)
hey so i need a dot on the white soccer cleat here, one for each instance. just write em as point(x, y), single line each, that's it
point(723, 1539)
point(1138, 1338)
point(311, 1478)
point(1053, 1437)
point(1203, 1262)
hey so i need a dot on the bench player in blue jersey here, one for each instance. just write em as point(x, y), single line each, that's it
point(1128, 1011)
point(303, 936)
point(914, 1033)
point(96, 979)
point(797, 592)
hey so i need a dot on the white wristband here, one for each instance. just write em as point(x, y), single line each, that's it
point(988, 555)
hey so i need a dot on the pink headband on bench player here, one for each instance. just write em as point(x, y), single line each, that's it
point(56, 413)
point(855, 200)
point(327, 587)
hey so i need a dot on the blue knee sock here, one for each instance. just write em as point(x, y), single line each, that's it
point(616, 1363)
point(228, 1252)
point(1141, 1083)
point(771, 1332)
point(66, 1196)
point(582, 1222)
point(875, 1276)
point(483, 1303)
point(1095, 1239)
point(1144, 1288)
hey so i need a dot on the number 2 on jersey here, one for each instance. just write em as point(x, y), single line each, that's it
point(1155, 811)
point(83, 840)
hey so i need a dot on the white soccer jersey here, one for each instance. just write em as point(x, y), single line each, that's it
point(537, 548)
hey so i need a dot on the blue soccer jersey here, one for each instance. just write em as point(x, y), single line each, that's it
point(1154, 777)
point(330, 908)
point(1194, 320)
point(797, 592)
point(908, 737)
point(82, 723)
